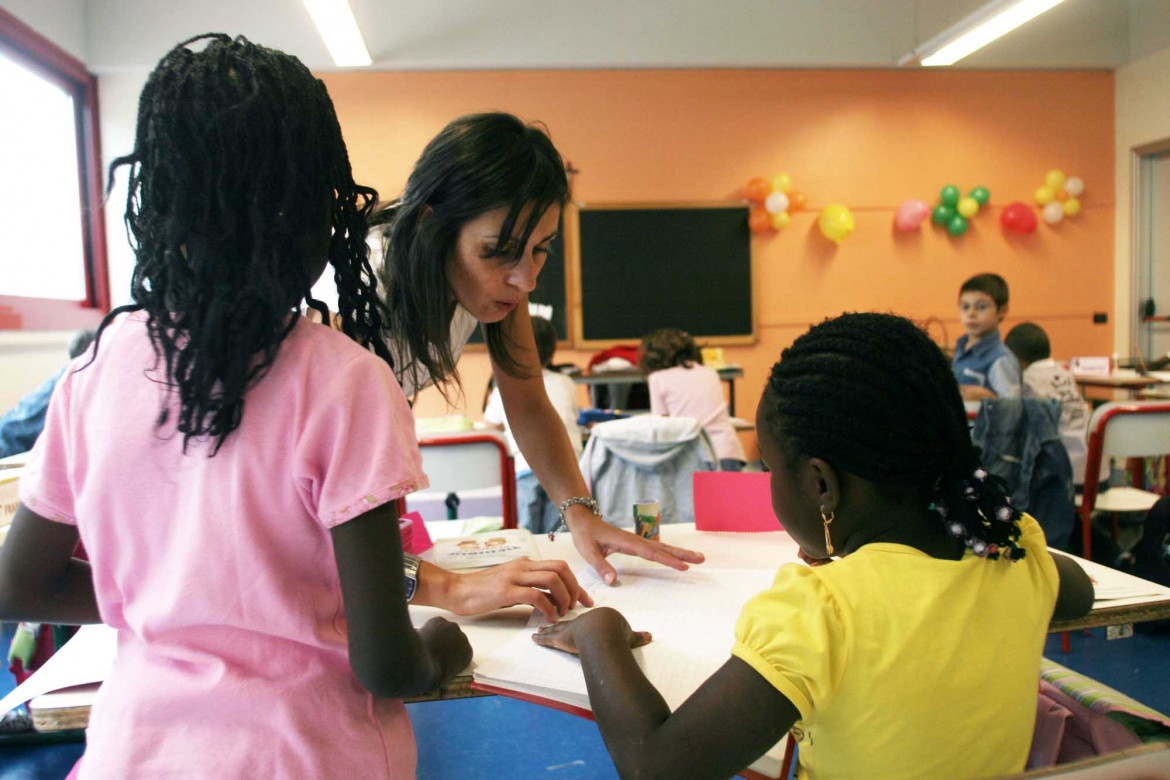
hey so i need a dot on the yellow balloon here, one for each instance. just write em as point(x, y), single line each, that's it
point(781, 182)
point(781, 220)
point(836, 222)
point(1045, 195)
point(1071, 207)
point(1054, 179)
point(968, 207)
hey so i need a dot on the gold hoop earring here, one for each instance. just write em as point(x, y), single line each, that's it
point(828, 518)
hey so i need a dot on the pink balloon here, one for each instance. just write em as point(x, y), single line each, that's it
point(911, 214)
point(1018, 218)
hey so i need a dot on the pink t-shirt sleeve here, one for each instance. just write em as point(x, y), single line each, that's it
point(46, 484)
point(357, 449)
point(657, 395)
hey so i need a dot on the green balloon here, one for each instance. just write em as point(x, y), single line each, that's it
point(950, 195)
point(957, 226)
point(942, 215)
point(981, 195)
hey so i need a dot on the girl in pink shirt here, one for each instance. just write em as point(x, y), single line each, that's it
point(681, 386)
point(232, 468)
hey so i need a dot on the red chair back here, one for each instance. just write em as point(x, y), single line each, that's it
point(471, 461)
point(1121, 429)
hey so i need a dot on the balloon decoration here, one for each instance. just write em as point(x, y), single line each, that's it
point(911, 214)
point(1059, 196)
point(954, 211)
point(835, 222)
point(772, 203)
point(1018, 218)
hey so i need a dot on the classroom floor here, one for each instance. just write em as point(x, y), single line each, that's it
point(495, 737)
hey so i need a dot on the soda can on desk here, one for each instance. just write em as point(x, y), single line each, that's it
point(647, 518)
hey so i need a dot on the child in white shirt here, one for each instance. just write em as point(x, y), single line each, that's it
point(1045, 378)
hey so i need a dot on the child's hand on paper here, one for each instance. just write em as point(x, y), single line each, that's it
point(594, 623)
point(549, 586)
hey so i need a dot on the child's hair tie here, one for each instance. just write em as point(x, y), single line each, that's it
point(981, 517)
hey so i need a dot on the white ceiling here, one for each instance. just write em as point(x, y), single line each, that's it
point(486, 34)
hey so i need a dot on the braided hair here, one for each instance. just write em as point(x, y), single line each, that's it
point(874, 396)
point(238, 174)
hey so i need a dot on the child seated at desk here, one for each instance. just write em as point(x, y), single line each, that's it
point(1045, 378)
point(681, 386)
point(917, 652)
point(538, 513)
point(983, 366)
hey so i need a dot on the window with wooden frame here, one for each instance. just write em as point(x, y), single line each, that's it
point(53, 273)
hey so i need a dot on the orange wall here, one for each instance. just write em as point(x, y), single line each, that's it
point(868, 139)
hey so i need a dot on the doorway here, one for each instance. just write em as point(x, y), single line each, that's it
point(1152, 252)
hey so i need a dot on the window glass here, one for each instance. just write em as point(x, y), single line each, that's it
point(42, 254)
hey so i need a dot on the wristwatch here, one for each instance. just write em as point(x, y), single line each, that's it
point(411, 564)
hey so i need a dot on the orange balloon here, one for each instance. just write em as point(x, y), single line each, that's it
point(1062, 195)
point(758, 190)
point(795, 201)
point(760, 221)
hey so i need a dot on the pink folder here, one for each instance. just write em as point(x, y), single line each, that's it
point(419, 540)
point(734, 501)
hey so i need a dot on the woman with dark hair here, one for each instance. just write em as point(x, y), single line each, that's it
point(464, 245)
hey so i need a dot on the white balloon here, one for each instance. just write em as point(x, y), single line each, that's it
point(1074, 186)
point(1053, 213)
point(776, 202)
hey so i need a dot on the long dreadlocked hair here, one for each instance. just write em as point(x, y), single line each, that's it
point(477, 163)
point(874, 396)
point(238, 174)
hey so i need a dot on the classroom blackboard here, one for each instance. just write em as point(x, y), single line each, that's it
point(665, 267)
point(550, 288)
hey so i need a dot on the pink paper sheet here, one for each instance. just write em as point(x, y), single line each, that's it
point(734, 501)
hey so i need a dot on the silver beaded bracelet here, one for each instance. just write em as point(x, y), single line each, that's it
point(588, 502)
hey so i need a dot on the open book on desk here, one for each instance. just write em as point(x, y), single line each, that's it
point(691, 615)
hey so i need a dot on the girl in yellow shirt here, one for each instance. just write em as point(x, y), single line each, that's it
point(916, 651)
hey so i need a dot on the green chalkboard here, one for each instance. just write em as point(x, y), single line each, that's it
point(665, 267)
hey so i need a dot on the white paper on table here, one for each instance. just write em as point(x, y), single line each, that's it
point(86, 658)
point(1113, 588)
point(691, 616)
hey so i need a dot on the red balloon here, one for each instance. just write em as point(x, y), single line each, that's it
point(1018, 218)
point(760, 221)
point(758, 190)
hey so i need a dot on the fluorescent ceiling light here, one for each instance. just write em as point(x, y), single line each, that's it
point(973, 32)
point(339, 31)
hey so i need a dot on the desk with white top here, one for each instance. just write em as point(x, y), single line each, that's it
point(1130, 600)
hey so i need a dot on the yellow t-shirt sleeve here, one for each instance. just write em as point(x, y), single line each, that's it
point(793, 635)
point(1039, 559)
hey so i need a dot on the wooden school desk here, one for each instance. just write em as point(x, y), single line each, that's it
point(1123, 379)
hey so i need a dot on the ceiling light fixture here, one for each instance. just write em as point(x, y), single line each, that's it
point(339, 31)
point(973, 32)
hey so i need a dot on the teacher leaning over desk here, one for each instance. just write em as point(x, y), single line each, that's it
point(464, 245)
